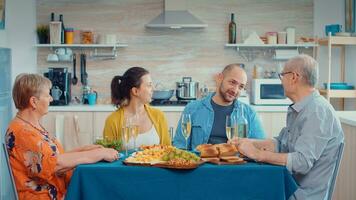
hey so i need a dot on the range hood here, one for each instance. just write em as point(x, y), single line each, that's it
point(175, 16)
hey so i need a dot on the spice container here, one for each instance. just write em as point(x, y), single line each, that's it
point(271, 37)
point(69, 35)
point(290, 35)
point(282, 37)
point(87, 37)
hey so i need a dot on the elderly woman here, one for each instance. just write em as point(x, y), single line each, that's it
point(41, 168)
point(131, 93)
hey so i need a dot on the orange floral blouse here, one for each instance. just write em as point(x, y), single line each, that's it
point(33, 157)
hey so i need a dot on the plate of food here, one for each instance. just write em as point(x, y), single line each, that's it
point(164, 156)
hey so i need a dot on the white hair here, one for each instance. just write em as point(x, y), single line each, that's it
point(307, 66)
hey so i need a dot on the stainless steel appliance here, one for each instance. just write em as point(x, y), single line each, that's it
point(187, 89)
point(157, 102)
point(61, 85)
point(268, 92)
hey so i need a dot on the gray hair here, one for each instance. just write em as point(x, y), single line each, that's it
point(307, 66)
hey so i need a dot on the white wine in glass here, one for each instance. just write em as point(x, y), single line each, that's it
point(231, 127)
point(134, 129)
point(126, 137)
point(228, 132)
point(186, 125)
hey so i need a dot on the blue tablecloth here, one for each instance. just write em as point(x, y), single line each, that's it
point(118, 181)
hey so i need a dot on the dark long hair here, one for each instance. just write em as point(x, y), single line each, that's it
point(122, 85)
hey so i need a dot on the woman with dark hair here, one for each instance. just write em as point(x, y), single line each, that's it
point(131, 93)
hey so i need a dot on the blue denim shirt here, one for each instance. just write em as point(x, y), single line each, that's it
point(202, 116)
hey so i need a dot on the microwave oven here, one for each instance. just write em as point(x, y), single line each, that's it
point(268, 92)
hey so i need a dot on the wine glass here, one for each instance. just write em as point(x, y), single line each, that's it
point(126, 138)
point(186, 124)
point(231, 127)
point(134, 128)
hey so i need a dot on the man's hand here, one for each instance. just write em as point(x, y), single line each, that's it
point(247, 148)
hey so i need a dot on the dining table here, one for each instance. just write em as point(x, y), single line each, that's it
point(251, 180)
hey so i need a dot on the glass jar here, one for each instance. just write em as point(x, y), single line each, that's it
point(271, 37)
point(87, 37)
point(69, 35)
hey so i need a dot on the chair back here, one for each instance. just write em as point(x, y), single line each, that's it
point(10, 171)
point(336, 170)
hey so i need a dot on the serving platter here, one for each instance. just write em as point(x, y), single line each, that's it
point(164, 164)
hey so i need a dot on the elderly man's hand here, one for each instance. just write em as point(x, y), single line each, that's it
point(247, 148)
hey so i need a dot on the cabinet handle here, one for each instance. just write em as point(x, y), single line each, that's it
point(171, 133)
point(76, 127)
point(76, 124)
point(59, 127)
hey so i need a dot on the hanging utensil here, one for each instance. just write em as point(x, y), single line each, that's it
point(75, 79)
point(85, 69)
point(83, 73)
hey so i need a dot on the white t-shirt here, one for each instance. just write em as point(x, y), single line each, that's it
point(148, 138)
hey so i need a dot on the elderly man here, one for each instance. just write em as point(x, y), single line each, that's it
point(309, 144)
point(208, 115)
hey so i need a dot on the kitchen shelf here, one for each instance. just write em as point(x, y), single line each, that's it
point(95, 54)
point(304, 45)
point(341, 42)
point(249, 53)
point(82, 45)
point(339, 93)
point(338, 40)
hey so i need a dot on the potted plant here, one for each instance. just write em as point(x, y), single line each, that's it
point(43, 34)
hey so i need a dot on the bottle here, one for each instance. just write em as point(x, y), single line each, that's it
point(52, 17)
point(232, 30)
point(242, 125)
point(62, 30)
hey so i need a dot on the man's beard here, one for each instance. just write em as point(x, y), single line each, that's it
point(224, 95)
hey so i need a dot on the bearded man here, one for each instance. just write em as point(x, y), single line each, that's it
point(208, 115)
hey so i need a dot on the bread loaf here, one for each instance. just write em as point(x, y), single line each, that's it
point(202, 146)
point(208, 152)
point(226, 149)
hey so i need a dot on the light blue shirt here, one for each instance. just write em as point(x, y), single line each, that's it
point(202, 116)
point(311, 138)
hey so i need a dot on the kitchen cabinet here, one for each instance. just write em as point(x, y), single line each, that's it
point(273, 122)
point(172, 119)
point(346, 180)
point(99, 123)
point(80, 128)
point(341, 42)
point(73, 129)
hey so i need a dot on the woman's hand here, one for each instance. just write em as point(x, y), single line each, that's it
point(108, 154)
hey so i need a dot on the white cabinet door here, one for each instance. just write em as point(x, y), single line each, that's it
point(48, 122)
point(172, 119)
point(278, 122)
point(73, 129)
point(346, 179)
point(273, 122)
point(266, 123)
point(99, 123)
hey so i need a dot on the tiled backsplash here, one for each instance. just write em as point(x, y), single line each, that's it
point(171, 54)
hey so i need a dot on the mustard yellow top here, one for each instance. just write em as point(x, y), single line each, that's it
point(115, 122)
